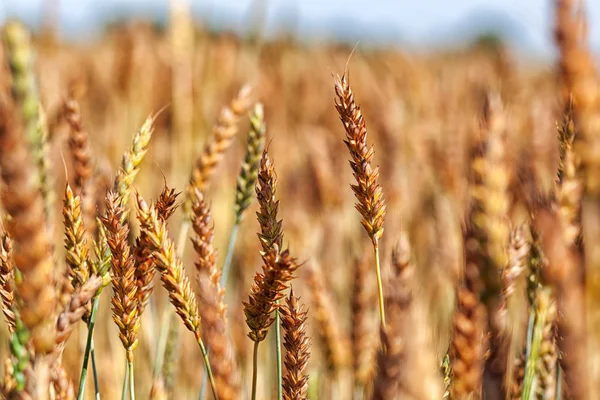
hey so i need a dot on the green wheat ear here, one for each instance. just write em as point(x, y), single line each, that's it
point(249, 170)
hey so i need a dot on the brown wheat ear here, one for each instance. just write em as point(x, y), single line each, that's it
point(367, 190)
point(297, 348)
point(125, 303)
point(212, 306)
point(270, 228)
point(268, 287)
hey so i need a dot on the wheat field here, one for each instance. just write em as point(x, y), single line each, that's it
point(189, 214)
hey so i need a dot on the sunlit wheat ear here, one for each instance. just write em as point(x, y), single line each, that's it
point(297, 348)
point(212, 308)
point(132, 160)
point(144, 264)
point(126, 312)
point(367, 190)
point(83, 170)
point(223, 133)
point(172, 275)
point(75, 243)
point(170, 267)
point(7, 281)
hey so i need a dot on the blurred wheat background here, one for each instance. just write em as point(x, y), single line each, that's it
point(487, 157)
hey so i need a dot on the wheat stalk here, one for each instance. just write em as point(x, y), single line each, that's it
point(368, 192)
point(212, 306)
point(172, 275)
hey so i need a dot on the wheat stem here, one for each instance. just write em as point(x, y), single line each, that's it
point(278, 351)
point(95, 371)
point(88, 347)
point(379, 284)
point(211, 378)
point(125, 382)
point(254, 369)
point(229, 256)
point(131, 383)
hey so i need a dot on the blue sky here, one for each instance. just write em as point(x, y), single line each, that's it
point(527, 22)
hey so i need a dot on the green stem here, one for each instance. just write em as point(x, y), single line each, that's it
point(211, 379)
point(278, 352)
point(254, 370)
point(125, 382)
point(379, 283)
point(95, 372)
point(229, 257)
point(131, 383)
point(88, 347)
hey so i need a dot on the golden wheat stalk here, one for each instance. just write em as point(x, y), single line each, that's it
point(172, 275)
point(368, 192)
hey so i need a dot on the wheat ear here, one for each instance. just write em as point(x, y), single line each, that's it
point(172, 275)
point(368, 192)
point(212, 306)
point(297, 348)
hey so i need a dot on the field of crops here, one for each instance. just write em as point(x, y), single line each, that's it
point(189, 214)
